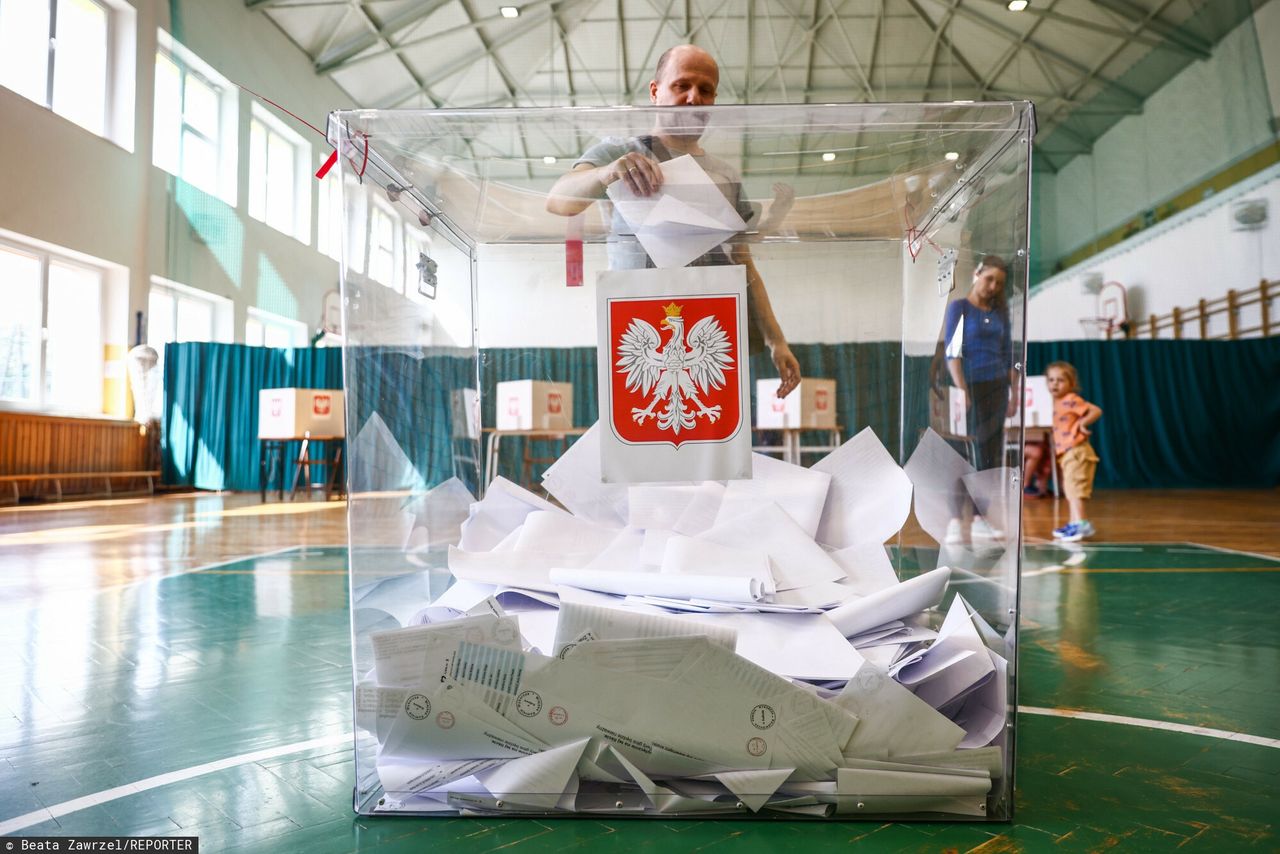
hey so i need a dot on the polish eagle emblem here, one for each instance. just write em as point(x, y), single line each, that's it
point(679, 373)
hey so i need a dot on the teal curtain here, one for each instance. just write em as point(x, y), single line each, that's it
point(1177, 413)
point(210, 421)
point(413, 391)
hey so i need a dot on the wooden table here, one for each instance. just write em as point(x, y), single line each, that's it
point(271, 460)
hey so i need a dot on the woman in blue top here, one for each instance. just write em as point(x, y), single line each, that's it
point(979, 352)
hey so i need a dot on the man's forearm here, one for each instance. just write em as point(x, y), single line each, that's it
point(575, 191)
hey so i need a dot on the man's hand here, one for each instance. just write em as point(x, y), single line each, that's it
point(642, 174)
point(784, 196)
point(788, 369)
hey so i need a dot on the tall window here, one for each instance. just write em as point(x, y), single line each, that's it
point(194, 121)
point(73, 317)
point(331, 218)
point(51, 342)
point(57, 53)
point(266, 329)
point(21, 326)
point(382, 246)
point(279, 189)
point(179, 313)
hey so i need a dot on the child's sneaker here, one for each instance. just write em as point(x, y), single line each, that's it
point(1070, 533)
point(1086, 528)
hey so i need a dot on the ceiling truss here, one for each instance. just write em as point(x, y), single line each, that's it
point(1072, 57)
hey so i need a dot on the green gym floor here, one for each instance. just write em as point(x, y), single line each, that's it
point(215, 702)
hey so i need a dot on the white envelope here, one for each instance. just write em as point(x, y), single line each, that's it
point(892, 603)
point(800, 492)
point(503, 509)
point(696, 556)
point(869, 497)
point(937, 472)
point(867, 568)
point(688, 217)
point(892, 720)
point(796, 560)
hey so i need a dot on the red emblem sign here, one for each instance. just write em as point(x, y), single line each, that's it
point(820, 400)
point(513, 405)
point(321, 404)
point(674, 369)
point(277, 407)
point(554, 402)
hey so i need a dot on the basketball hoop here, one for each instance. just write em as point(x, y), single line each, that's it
point(1097, 328)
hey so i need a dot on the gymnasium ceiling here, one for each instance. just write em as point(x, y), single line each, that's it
point(1085, 63)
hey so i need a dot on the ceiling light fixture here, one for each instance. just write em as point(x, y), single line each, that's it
point(549, 159)
point(829, 156)
point(952, 155)
point(1018, 5)
point(514, 11)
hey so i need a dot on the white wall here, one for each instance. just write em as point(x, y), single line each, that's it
point(825, 292)
point(68, 187)
point(1267, 22)
point(1208, 116)
point(1193, 255)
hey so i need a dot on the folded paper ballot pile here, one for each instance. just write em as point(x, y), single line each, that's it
point(693, 648)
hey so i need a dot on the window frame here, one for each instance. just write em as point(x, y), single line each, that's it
point(47, 256)
point(118, 75)
point(297, 329)
point(331, 220)
point(225, 143)
point(220, 315)
point(396, 233)
point(301, 158)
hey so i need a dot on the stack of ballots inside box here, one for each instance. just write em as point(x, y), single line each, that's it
point(740, 647)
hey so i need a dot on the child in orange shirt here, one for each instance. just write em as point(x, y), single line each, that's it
point(1072, 415)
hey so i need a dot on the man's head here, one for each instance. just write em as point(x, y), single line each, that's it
point(686, 76)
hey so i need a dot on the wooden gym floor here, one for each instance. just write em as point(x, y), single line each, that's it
point(180, 665)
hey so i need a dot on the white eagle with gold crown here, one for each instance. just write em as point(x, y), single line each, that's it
point(677, 372)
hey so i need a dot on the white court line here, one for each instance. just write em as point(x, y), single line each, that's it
point(1032, 573)
point(1225, 550)
point(1223, 734)
point(22, 822)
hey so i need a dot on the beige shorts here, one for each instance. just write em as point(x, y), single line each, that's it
point(1078, 466)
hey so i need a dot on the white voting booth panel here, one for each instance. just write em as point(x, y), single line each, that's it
point(533, 405)
point(1037, 403)
point(812, 406)
point(640, 616)
point(290, 413)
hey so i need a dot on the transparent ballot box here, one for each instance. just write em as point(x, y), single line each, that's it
point(638, 600)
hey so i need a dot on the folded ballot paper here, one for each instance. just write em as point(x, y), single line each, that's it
point(682, 649)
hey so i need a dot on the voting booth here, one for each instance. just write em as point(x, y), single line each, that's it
point(668, 624)
point(293, 413)
point(812, 405)
point(534, 405)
